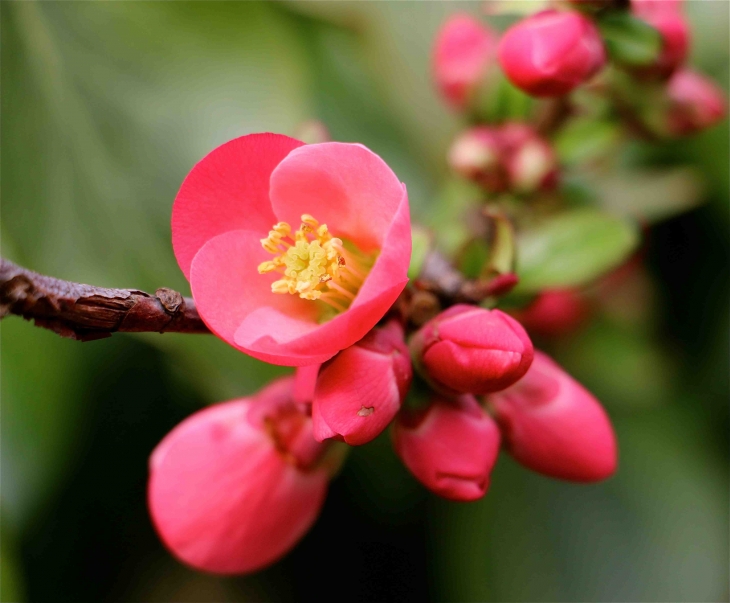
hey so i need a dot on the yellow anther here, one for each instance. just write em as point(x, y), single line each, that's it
point(312, 261)
point(265, 267)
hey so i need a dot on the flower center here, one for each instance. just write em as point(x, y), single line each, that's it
point(314, 265)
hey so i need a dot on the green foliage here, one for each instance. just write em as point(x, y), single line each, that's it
point(572, 249)
point(629, 40)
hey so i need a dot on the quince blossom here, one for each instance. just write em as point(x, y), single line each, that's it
point(293, 252)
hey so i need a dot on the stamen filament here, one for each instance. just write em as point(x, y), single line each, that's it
point(342, 290)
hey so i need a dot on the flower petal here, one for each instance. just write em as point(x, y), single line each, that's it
point(357, 395)
point(227, 288)
point(223, 499)
point(227, 190)
point(346, 186)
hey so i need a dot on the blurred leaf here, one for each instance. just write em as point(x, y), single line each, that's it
point(605, 349)
point(422, 243)
point(572, 249)
point(629, 40)
point(585, 140)
point(499, 100)
point(650, 196)
point(522, 8)
point(11, 579)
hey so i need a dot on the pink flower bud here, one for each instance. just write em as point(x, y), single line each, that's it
point(554, 312)
point(476, 154)
point(236, 485)
point(696, 103)
point(508, 157)
point(463, 51)
point(552, 52)
point(359, 392)
point(467, 349)
point(451, 447)
point(530, 161)
point(553, 425)
point(666, 18)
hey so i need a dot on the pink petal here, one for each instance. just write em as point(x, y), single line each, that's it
point(357, 394)
point(223, 499)
point(346, 186)
point(553, 425)
point(304, 382)
point(228, 288)
point(227, 190)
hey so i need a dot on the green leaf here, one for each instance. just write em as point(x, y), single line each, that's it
point(422, 243)
point(572, 249)
point(586, 139)
point(651, 195)
point(630, 41)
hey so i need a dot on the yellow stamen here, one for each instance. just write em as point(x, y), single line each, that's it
point(314, 264)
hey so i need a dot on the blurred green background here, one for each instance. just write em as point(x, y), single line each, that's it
point(105, 108)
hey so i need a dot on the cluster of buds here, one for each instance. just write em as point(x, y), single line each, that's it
point(511, 157)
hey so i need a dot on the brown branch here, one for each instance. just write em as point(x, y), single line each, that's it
point(84, 312)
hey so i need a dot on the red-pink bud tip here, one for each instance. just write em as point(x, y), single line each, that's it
point(552, 52)
point(451, 447)
point(554, 426)
point(467, 349)
point(463, 51)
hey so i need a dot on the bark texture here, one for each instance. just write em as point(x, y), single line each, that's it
point(84, 312)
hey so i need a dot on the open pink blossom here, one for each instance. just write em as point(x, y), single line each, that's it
point(235, 486)
point(293, 252)
point(551, 52)
point(553, 425)
point(360, 390)
point(450, 447)
point(463, 52)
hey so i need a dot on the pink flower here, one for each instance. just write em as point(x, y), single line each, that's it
point(665, 16)
point(695, 103)
point(450, 447)
point(553, 425)
point(468, 349)
point(359, 391)
point(552, 52)
point(463, 52)
point(293, 252)
point(236, 485)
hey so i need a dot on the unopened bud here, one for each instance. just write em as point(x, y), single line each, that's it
point(464, 50)
point(467, 349)
point(665, 16)
point(554, 426)
point(552, 52)
point(695, 103)
point(450, 447)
